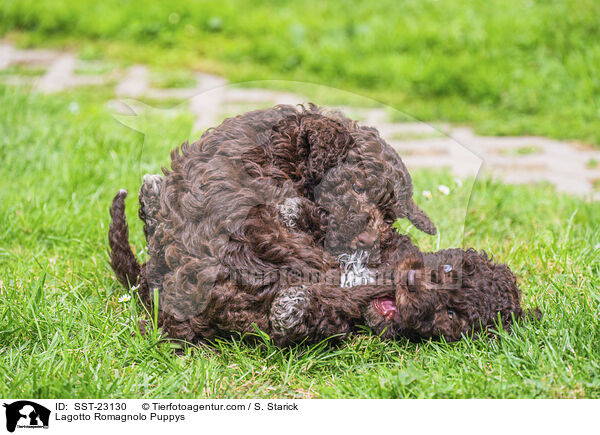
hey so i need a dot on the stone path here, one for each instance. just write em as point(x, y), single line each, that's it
point(571, 168)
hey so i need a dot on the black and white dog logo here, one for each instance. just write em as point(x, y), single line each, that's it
point(26, 414)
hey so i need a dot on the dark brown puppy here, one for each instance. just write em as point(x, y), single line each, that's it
point(447, 294)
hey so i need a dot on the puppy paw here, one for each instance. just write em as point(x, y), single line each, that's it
point(150, 202)
point(289, 210)
point(151, 184)
point(289, 310)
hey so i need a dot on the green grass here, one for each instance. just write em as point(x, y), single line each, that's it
point(173, 79)
point(63, 332)
point(412, 136)
point(94, 68)
point(22, 70)
point(522, 151)
point(506, 66)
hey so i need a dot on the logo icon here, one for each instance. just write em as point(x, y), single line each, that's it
point(26, 414)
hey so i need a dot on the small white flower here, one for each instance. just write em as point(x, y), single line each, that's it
point(444, 189)
point(135, 287)
point(458, 182)
point(74, 107)
point(597, 246)
point(125, 298)
point(427, 194)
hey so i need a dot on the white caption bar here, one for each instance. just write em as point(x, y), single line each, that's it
point(150, 416)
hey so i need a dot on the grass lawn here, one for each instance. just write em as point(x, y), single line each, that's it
point(505, 66)
point(64, 333)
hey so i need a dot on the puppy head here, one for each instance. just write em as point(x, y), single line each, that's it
point(356, 221)
point(349, 171)
point(453, 292)
point(364, 193)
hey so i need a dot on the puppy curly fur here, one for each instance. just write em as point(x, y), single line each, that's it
point(451, 293)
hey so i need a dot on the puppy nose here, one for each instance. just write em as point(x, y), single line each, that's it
point(365, 241)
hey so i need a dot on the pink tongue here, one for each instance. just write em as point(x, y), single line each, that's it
point(386, 307)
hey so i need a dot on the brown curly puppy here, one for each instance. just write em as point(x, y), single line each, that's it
point(262, 200)
point(447, 294)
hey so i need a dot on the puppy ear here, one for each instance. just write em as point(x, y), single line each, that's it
point(403, 204)
point(418, 217)
point(327, 142)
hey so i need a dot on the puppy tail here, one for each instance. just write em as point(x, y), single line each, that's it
point(122, 260)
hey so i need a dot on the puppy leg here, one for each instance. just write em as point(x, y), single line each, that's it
point(150, 203)
point(315, 312)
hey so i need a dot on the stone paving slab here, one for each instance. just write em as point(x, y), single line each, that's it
point(571, 168)
point(9, 55)
point(134, 84)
